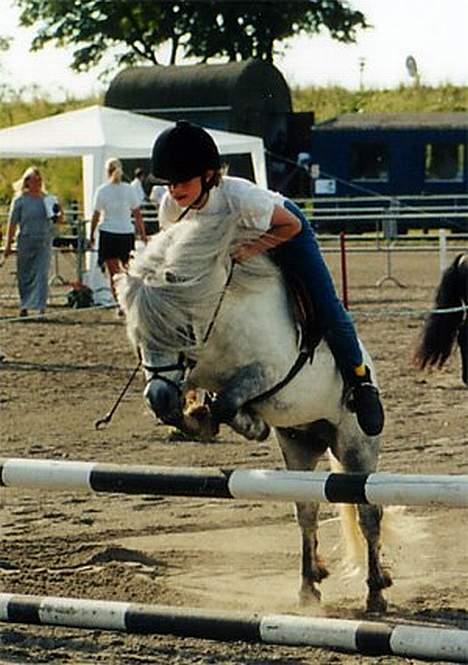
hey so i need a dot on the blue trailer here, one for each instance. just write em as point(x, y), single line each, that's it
point(388, 156)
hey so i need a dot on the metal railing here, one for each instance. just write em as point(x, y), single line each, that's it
point(372, 213)
point(384, 217)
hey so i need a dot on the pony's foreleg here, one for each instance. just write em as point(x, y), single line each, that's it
point(313, 569)
point(301, 451)
point(227, 406)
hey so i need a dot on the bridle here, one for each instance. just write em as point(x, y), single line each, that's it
point(184, 362)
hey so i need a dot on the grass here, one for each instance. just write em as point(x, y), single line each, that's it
point(63, 176)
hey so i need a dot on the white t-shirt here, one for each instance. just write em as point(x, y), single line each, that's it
point(157, 194)
point(115, 202)
point(51, 205)
point(253, 204)
point(138, 187)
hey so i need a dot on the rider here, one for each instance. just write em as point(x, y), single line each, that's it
point(186, 159)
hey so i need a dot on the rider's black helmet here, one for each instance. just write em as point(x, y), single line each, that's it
point(183, 152)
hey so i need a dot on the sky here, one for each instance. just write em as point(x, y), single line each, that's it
point(433, 32)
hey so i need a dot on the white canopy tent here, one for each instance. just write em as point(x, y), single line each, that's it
point(96, 133)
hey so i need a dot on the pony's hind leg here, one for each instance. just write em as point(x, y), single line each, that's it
point(378, 578)
point(358, 453)
point(301, 450)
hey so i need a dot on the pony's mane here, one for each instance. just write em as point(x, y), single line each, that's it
point(173, 287)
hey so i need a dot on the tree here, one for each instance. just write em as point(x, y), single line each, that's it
point(5, 89)
point(136, 29)
point(5, 43)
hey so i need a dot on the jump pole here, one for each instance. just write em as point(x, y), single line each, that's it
point(367, 638)
point(247, 484)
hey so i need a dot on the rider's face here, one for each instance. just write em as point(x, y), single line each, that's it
point(187, 192)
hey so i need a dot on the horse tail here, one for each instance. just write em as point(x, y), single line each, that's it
point(355, 545)
point(355, 555)
point(440, 329)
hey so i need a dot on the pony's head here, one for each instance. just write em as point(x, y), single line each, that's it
point(174, 285)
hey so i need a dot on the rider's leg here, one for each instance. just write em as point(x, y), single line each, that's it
point(301, 255)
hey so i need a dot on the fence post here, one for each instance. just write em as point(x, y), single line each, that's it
point(344, 273)
point(442, 249)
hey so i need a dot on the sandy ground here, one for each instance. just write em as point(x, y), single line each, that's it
point(63, 372)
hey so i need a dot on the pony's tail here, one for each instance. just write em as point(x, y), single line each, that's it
point(355, 545)
point(440, 329)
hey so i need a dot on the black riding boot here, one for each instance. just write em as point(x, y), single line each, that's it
point(365, 401)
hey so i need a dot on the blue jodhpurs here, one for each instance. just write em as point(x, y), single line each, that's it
point(301, 255)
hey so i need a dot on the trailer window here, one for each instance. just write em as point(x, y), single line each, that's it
point(444, 161)
point(369, 161)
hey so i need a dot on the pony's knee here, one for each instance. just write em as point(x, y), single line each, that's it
point(223, 410)
point(250, 425)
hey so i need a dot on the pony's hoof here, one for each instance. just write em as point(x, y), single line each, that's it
point(309, 596)
point(264, 433)
point(199, 423)
point(376, 605)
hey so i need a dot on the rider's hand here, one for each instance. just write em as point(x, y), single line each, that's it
point(244, 252)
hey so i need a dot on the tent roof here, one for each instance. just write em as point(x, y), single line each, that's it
point(95, 128)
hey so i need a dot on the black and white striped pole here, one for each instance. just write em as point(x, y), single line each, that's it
point(364, 637)
point(247, 484)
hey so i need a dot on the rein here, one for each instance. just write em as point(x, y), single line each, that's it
point(183, 363)
point(295, 369)
point(220, 302)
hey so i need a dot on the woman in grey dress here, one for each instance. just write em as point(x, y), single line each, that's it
point(32, 213)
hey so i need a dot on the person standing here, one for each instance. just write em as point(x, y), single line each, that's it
point(157, 194)
point(31, 217)
point(115, 203)
point(137, 184)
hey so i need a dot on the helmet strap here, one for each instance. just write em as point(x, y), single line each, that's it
point(206, 185)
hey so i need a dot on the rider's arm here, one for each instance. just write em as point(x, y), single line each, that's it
point(10, 236)
point(94, 222)
point(139, 223)
point(283, 226)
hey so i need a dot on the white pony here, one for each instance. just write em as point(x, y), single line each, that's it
point(200, 320)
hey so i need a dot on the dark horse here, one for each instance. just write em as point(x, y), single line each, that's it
point(442, 328)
